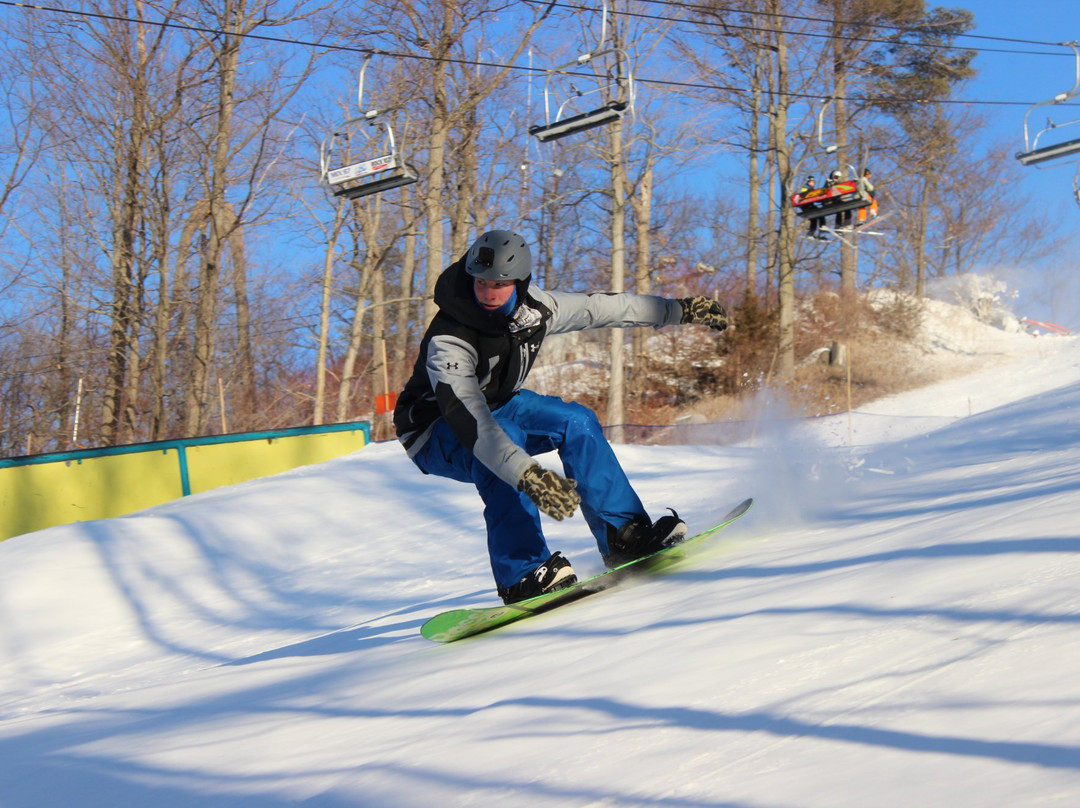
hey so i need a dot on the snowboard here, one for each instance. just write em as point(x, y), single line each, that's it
point(457, 624)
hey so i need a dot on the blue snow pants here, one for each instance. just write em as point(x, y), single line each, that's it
point(538, 424)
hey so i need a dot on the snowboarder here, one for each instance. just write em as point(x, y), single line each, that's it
point(464, 415)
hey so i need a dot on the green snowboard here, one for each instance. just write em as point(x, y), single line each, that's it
point(459, 623)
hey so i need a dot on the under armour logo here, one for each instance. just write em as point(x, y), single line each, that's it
point(451, 365)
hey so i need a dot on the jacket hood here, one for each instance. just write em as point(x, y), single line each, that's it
point(454, 297)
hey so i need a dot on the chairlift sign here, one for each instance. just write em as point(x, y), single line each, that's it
point(364, 169)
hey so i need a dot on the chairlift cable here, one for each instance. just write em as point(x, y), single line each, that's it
point(882, 25)
point(814, 34)
point(480, 63)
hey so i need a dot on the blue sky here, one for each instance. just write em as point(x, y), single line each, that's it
point(1052, 289)
point(1019, 77)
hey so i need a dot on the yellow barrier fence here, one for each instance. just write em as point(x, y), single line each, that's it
point(55, 489)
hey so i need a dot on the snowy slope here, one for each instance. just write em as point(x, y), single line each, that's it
point(895, 623)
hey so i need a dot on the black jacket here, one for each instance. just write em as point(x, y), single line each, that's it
point(471, 361)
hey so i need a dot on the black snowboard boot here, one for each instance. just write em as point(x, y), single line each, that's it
point(639, 537)
point(555, 573)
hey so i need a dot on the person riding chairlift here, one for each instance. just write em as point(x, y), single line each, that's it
point(843, 218)
point(815, 223)
point(871, 211)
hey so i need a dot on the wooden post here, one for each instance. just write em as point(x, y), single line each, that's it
point(385, 371)
point(386, 385)
point(850, 433)
point(78, 414)
point(221, 401)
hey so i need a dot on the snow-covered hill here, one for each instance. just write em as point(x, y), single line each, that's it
point(895, 623)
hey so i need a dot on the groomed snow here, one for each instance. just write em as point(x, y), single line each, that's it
point(895, 623)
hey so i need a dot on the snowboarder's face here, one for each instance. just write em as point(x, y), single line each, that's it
point(492, 294)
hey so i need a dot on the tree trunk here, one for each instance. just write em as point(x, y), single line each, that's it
point(616, 409)
point(642, 205)
point(247, 400)
point(772, 228)
point(325, 299)
point(352, 352)
point(367, 261)
point(920, 236)
point(753, 211)
point(465, 207)
point(378, 351)
point(786, 233)
point(210, 273)
point(123, 320)
point(435, 188)
point(399, 366)
point(849, 255)
point(120, 308)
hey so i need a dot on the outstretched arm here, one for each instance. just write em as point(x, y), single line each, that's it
point(576, 312)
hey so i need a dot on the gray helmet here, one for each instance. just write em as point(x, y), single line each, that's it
point(499, 255)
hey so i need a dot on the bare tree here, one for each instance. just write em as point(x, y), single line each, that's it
point(443, 34)
point(780, 143)
point(919, 70)
point(238, 159)
point(107, 81)
point(23, 141)
point(741, 34)
point(134, 203)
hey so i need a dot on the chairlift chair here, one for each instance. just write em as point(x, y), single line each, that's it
point(843, 196)
point(840, 197)
point(563, 127)
point(820, 202)
point(1033, 153)
point(373, 175)
point(367, 177)
point(556, 126)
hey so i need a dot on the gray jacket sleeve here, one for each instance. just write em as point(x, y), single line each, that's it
point(576, 312)
point(451, 367)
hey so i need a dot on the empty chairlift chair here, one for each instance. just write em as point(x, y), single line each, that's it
point(355, 178)
point(1035, 154)
point(560, 116)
